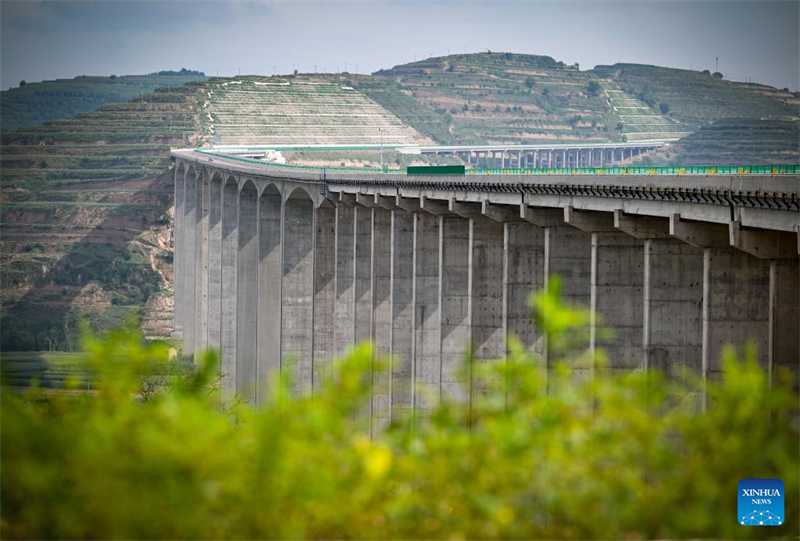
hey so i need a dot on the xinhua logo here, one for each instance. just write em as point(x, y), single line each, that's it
point(761, 502)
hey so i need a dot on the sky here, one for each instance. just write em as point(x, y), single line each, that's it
point(754, 40)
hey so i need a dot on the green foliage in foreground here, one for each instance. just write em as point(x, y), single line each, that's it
point(613, 457)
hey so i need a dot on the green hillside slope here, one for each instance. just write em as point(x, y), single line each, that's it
point(36, 103)
point(735, 142)
point(697, 99)
point(85, 219)
point(500, 98)
point(495, 98)
point(323, 110)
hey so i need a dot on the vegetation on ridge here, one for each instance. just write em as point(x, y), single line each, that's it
point(36, 103)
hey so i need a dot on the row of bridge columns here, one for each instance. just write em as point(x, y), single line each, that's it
point(551, 158)
point(286, 281)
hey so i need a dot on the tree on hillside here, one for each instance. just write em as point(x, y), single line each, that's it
point(664, 108)
point(22, 83)
point(593, 88)
point(717, 74)
point(530, 81)
point(705, 72)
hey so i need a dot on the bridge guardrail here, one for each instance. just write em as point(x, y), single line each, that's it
point(778, 169)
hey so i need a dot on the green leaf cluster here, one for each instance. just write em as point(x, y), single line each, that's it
point(567, 452)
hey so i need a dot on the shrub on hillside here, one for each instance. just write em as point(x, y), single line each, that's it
point(534, 454)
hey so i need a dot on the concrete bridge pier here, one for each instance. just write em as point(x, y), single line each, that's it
point(455, 242)
point(427, 318)
point(214, 261)
point(269, 340)
point(487, 292)
point(228, 291)
point(297, 286)
point(784, 314)
point(616, 286)
point(201, 261)
point(189, 263)
point(324, 291)
point(344, 306)
point(673, 307)
point(247, 294)
point(403, 265)
point(381, 251)
point(179, 249)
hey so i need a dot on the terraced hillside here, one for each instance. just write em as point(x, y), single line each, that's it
point(85, 219)
point(87, 202)
point(495, 98)
point(36, 103)
point(639, 121)
point(298, 110)
point(510, 98)
point(697, 99)
point(735, 142)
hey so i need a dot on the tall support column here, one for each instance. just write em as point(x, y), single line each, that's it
point(618, 297)
point(297, 298)
point(523, 274)
point(673, 307)
point(344, 327)
point(402, 337)
point(230, 254)
point(735, 305)
point(454, 278)
point(201, 268)
point(487, 294)
point(535, 156)
point(215, 262)
point(190, 260)
point(324, 291)
point(363, 274)
point(270, 281)
point(427, 333)
point(382, 314)
point(568, 255)
point(784, 323)
point(179, 248)
point(362, 309)
point(247, 294)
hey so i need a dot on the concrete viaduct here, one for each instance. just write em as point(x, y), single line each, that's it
point(273, 263)
point(542, 156)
